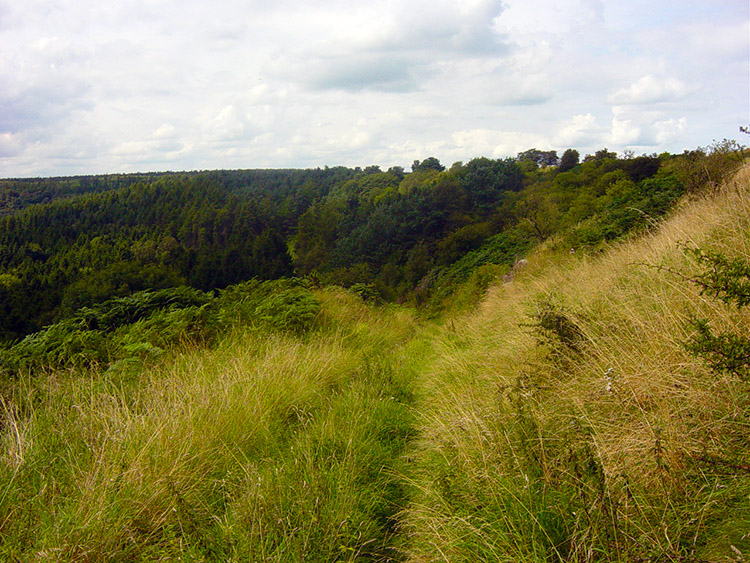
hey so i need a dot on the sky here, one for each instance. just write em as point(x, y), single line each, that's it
point(105, 86)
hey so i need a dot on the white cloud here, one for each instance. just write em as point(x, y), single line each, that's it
point(729, 39)
point(361, 72)
point(625, 132)
point(228, 125)
point(392, 46)
point(10, 145)
point(165, 131)
point(104, 87)
point(541, 17)
point(495, 144)
point(436, 25)
point(644, 128)
point(580, 130)
point(41, 87)
point(650, 90)
point(668, 131)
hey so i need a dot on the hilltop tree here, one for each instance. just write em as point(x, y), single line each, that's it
point(600, 155)
point(569, 160)
point(430, 163)
point(397, 171)
point(540, 158)
point(485, 180)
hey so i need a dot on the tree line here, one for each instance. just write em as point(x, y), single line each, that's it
point(90, 239)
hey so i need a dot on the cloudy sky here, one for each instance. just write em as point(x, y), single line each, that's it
point(94, 86)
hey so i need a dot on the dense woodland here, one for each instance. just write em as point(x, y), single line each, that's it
point(68, 243)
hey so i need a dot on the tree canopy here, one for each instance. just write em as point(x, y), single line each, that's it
point(67, 243)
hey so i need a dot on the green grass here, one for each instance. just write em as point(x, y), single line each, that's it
point(566, 421)
point(270, 447)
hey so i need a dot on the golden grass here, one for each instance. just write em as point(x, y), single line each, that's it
point(631, 401)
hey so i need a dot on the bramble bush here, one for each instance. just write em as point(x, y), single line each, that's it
point(729, 281)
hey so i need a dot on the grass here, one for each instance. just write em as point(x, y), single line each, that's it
point(561, 420)
point(596, 436)
point(271, 447)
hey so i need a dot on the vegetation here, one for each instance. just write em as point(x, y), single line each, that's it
point(589, 431)
point(269, 446)
point(19, 193)
point(411, 237)
point(729, 281)
point(565, 378)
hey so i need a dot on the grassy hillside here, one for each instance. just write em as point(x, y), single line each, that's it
point(566, 421)
point(411, 237)
point(561, 420)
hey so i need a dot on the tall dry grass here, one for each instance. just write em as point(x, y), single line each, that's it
point(603, 438)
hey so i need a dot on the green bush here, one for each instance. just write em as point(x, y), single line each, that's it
point(502, 249)
point(724, 353)
point(556, 329)
point(708, 167)
point(144, 324)
point(470, 293)
point(729, 281)
point(366, 292)
point(115, 329)
point(629, 209)
point(69, 343)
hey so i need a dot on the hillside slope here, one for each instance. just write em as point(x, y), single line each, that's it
point(562, 420)
point(271, 446)
point(565, 419)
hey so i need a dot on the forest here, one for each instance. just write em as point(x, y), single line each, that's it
point(69, 243)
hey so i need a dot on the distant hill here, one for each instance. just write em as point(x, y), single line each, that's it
point(19, 193)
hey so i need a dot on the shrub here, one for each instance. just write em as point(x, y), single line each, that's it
point(556, 329)
point(709, 166)
point(143, 324)
point(724, 353)
point(729, 281)
point(366, 292)
point(113, 330)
